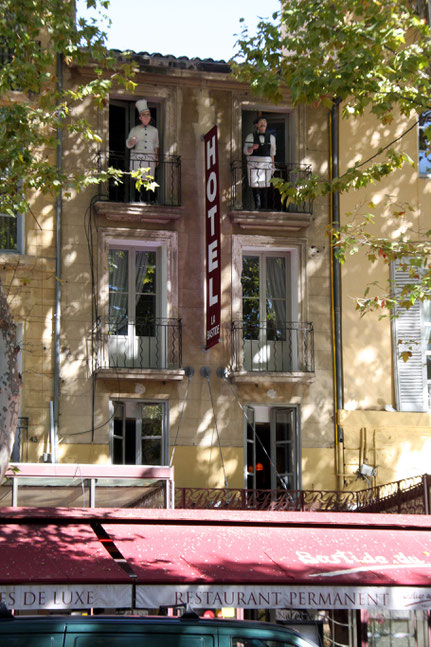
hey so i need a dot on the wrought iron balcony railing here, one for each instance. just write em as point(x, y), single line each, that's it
point(408, 496)
point(242, 196)
point(280, 500)
point(143, 344)
point(167, 174)
point(270, 347)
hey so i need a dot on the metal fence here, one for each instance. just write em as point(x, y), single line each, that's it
point(167, 174)
point(145, 344)
point(408, 496)
point(271, 347)
point(242, 196)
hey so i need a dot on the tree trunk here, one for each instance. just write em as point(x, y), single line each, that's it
point(10, 383)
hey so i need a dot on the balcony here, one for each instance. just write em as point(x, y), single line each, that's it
point(272, 348)
point(167, 176)
point(408, 496)
point(276, 215)
point(151, 347)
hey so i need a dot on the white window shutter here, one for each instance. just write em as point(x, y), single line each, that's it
point(411, 391)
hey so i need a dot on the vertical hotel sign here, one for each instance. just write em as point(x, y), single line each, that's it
point(212, 239)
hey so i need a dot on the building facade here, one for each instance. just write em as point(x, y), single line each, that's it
point(135, 382)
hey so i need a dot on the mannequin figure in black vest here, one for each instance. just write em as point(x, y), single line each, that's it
point(260, 149)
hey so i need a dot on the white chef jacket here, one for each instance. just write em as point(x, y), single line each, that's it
point(143, 153)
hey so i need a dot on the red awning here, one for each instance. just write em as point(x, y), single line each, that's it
point(250, 559)
point(56, 554)
point(241, 554)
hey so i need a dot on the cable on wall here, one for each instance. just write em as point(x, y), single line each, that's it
point(206, 372)
point(189, 371)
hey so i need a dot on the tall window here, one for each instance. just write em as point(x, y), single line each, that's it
point(136, 302)
point(267, 311)
point(424, 145)
point(139, 433)
point(132, 289)
point(122, 117)
point(271, 448)
point(264, 290)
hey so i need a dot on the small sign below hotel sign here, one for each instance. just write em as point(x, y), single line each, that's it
point(212, 240)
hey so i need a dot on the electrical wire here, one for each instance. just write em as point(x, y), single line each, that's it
point(217, 432)
point(180, 419)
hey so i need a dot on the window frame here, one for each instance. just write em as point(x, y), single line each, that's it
point(19, 234)
point(269, 245)
point(266, 413)
point(291, 303)
point(422, 157)
point(136, 405)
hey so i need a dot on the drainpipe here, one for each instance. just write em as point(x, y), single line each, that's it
point(336, 295)
point(57, 329)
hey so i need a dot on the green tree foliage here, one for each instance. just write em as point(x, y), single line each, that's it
point(35, 36)
point(363, 55)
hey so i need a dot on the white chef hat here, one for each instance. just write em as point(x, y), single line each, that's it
point(141, 105)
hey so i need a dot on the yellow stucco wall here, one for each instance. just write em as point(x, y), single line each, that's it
point(397, 443)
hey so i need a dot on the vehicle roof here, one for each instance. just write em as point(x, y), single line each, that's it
point(148, 620)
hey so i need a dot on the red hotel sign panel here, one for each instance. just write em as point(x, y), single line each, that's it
point(212, 240)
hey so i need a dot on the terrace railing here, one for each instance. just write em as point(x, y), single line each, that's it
point(408, 496)
point(242, 197)
point(143, 344)
point(270, 347)
point(167, 174)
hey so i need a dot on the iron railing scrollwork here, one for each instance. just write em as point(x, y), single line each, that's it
point(408, 496)
point(154, 343)
point(272, 347)
point(167, 174)
point(242, 197)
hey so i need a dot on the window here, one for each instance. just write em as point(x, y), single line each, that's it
point(271, 448)
point(11, 233)
point(137, 304)
point(396, 628)
point(268, 308)
point(424, 150)
point(269, 331)
point(411, 332)
point(279, 126)
point(139, 433)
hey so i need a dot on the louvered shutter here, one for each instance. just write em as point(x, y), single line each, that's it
point(411, 391)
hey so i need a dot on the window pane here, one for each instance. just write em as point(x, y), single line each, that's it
point(145, 288)
point(276, 277)
point(118, 439)
point(276, 298)
point(151, 452)
point(250, 315)
point(152, 420)
point(152, 428)
point(8, 232)
point(118, 291)
point(146, 272)
point(250, 276)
